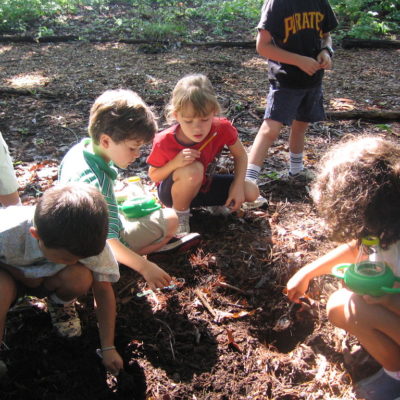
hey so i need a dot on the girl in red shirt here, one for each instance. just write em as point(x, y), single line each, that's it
point(182, 156)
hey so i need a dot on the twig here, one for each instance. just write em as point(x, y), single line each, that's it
point(126, 286)
point(171, 336)
point(205, 303)
point(229, 286)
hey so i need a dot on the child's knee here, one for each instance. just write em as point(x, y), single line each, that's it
point(191, 174)
point(77, 279)
point(335, 308)
point(270, 129)
point(172, 222)
point(251, 191)
point(349, 311)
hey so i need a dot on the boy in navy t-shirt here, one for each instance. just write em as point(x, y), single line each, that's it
point(294, 37)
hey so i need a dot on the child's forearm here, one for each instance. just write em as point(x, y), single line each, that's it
point(162, 173)
point(126, 256)
point(345, 253)
point(240, 161)
point(266, 48)
point(105, 306)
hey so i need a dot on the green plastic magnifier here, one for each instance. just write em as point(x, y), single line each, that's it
point(367, 277)
point(139, 206)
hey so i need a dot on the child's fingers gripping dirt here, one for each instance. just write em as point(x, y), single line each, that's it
point(296, 287)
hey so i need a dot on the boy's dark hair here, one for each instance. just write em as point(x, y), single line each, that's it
point(357, 190)
point(122, 115)
point(73, 217)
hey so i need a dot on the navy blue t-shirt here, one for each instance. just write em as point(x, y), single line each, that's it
point(296, 26)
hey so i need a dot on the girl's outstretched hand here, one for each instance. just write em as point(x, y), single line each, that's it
point(297, 286)
point(186, 157)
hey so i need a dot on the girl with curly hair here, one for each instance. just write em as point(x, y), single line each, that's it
point(357, 193)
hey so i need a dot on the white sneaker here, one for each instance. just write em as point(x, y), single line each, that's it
point(65, 319)
point(257, 203)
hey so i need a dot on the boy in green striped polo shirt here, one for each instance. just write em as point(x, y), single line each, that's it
point(120, 123)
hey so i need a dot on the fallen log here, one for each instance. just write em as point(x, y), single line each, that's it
point(247, 44)
point(32, 39)
point(373, 115)
point(370, 44)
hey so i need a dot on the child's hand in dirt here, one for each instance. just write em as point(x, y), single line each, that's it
point(155, 276)
point(112, 361)
point(186, 157)
point(309, 65)
point(297, 286)
point(235, 197)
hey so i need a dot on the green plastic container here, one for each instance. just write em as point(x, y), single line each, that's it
point(367, 277)
point(139, 207)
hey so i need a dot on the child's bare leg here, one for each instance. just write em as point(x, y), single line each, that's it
point(374, 325)
point(266, 136)
point(8, 293)
point(296, 139)
point(187, 183)
point(70, 283)
point(251, 191)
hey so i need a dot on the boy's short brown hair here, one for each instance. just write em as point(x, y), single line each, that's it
point(122, 115)
point(73, 217)
point(357, 190)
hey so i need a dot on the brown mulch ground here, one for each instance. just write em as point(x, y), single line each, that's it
point(252, 343)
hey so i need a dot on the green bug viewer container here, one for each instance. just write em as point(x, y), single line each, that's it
point(139, 206)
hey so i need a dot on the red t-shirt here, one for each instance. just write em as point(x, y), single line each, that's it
point(166, 146)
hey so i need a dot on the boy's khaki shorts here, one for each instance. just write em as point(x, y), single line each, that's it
point(141, 232)
point(8, 180)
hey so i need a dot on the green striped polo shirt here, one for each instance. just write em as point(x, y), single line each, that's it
point(80, 164)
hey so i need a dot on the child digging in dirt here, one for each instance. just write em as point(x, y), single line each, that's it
point(8, 182)
point(357, 192)
point(181, 154)
point(294, 37)
point(119, 124)
point(58, 250)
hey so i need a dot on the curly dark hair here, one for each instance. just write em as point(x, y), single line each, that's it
point(357, 190)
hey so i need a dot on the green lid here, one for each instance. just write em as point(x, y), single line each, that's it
point(370, 241)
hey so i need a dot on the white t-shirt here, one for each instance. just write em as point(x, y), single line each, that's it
point(391, 256)
point(19, 249)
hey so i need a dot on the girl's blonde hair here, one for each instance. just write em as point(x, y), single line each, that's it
point(193, 90)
